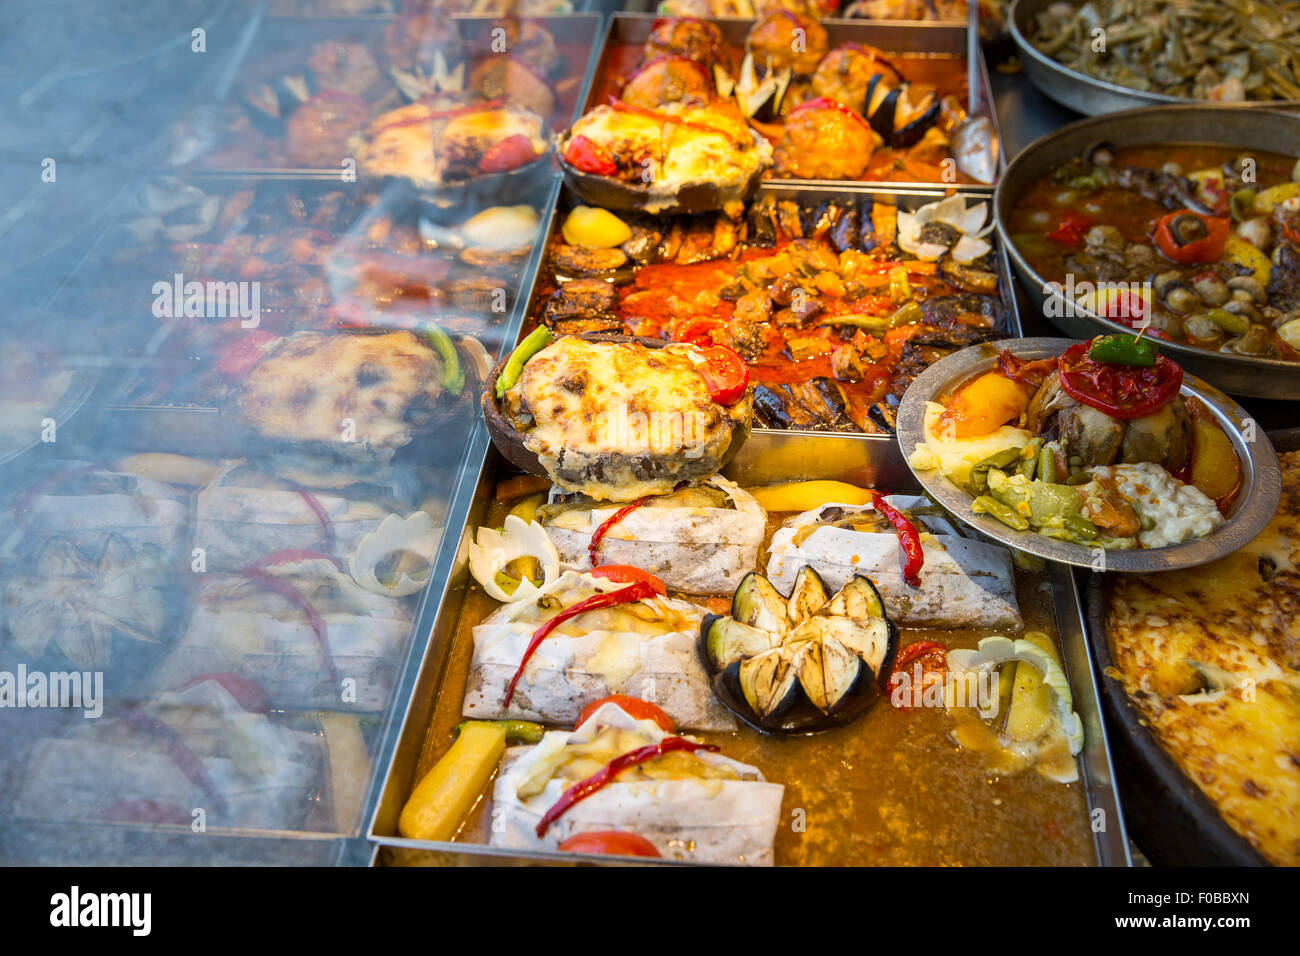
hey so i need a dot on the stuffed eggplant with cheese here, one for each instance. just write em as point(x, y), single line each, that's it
point(618, 773)
point(613, 419)
point(964, 582)
point(699, 540)
point(581, 638)
point(685, 156)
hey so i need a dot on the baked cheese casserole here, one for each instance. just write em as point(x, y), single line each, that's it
point(1210, 657)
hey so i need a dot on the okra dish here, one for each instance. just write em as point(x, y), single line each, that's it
point(1200, 242)
point(1096, 447)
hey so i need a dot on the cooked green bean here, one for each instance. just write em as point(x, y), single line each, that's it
point(986, 504)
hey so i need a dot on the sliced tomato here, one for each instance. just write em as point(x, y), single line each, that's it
point(589, 157)
point(1121, 391)
point(634, 707)
point(626, 574)
point(611, 842)
point(511, 153)
point(932, 658)
point(724, 374)
point(1071, 228)
point(697, 330)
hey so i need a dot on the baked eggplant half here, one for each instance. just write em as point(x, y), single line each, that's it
point(575, 410)
point(804, 663)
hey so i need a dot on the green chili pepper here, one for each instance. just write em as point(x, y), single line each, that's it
point(979, 474)
point(1081, 528)
point(1230, 322)
point(1047, 463)
point(517, 731)
point(986, 505)
point(1123, 349)
point(534, 342)
point(453, 376)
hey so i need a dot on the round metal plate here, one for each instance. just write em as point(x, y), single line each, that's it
point(1255, 506)
point(1086, 94)
point(1247, 129)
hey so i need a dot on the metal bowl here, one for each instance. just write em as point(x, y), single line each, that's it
point(1268, 130)
point(1084, 93)
point(1261, 488)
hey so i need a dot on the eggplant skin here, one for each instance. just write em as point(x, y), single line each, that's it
point(728, 640)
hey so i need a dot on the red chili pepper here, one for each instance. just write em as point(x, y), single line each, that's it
point(261, 576)
point(1023, 370)
point(589, 157)
point(626, 574)
point(584, 788)
point(1071, 229)
point(1208, 248)
point(313, 503)
point(593, 549)
point(933, 658)
point(724, 374)
point(1121, 391)
point(511, 153)
point(639, 591)
point(186, 759)
point(909, 540)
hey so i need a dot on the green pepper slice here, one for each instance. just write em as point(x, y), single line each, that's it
point(534, 342)
point(453, 376)
point(1123, 349)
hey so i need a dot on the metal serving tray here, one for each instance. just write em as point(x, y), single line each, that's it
point(908, 198)
point(1084, 93)
point(281, 45)
point(893, 37)
point(766, 457)
point(1266, 130)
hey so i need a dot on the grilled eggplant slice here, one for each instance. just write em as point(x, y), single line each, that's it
point(828, 673)
point(809, 595)
point(858, 600)
point(759, 604)
point(727, 640)
point(770, 681)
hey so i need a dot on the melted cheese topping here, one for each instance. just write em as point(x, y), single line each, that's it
point(621, 405)
point(1210, 656)
point(415, 143)
point(711, 144)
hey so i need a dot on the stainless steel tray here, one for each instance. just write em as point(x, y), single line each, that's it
point(907, 197)
point(766, 457)
point(1081, 92)
point(1270, 130)
point(1261, 483)
point(940, 38)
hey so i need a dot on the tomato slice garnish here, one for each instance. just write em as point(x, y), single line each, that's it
point(724, 374)
point(589, 157)
point(611, 842)
point(634, 707)
point(1121, 391)
point(1071, 228)
point(627, 574)
point(511, 153)
point(932, 658)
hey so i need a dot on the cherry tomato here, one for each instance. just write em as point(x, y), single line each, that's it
point(1121, 391)
point(611, 842)
point(588, 157)
point(933, 660)
point(626, 574)
point(724, 373)
point(511, 153)
point(634, 707)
